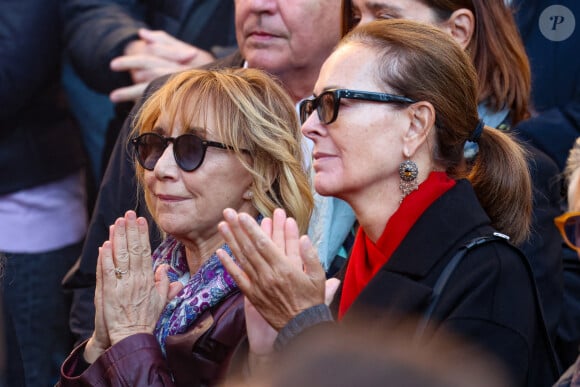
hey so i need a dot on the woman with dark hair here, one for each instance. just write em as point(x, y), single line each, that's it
point(389, 122)
point(486, 30)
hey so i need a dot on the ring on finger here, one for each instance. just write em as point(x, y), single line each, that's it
point(119, 273)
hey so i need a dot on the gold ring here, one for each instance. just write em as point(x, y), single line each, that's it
point(119, 273)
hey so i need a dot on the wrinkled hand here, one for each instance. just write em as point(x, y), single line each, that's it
point(279, 271)
point(118, 300)
point(156, 53)
point(133, 301)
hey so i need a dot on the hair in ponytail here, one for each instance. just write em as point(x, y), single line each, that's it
point(425, 64)
point(503, 184)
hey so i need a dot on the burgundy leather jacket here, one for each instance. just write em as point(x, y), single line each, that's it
point(198, 357)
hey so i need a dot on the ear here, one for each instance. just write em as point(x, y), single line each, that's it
point(420, 125)
point(460, 26)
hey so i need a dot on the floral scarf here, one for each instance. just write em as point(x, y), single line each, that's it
point(205, 289)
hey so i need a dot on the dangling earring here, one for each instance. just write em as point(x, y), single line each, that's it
point(408, 172)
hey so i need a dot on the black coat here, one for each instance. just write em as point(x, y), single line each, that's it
point(490, 298)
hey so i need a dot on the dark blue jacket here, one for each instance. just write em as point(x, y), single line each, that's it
point(550, 30)
point(39, 142)
point(97, 31)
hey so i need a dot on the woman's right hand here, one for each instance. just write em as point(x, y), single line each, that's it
point(132, 297)
point(128, 296)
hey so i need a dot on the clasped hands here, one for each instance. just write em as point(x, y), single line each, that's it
point(129, 297)
point(154, 54)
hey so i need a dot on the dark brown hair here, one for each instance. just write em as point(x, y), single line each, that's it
point(425, 64)
point(496, 50)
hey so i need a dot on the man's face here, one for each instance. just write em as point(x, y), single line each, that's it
point(282, 36)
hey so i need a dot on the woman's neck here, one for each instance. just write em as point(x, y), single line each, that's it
point(198, 252)
point(371, 213)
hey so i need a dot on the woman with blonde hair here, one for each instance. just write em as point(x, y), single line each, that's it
point(205, 141)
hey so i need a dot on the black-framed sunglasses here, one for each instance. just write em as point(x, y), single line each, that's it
point(188, 149)
point(327, 103)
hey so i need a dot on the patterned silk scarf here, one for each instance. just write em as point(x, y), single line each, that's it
point(206, 288)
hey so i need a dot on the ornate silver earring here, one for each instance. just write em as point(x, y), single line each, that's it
point(408, 172)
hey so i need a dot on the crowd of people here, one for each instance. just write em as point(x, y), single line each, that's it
point(266, 193)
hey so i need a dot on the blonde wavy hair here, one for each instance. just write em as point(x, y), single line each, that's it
point(253, 114)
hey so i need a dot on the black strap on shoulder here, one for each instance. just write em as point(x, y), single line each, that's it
point(450, 268)
point(446, 273)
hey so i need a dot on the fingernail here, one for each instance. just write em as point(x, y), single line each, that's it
point(223, 227)
point(229, 214)
point(131, 215)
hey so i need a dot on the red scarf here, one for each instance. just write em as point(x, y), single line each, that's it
point(367, 257)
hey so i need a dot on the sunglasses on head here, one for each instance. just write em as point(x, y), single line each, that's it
point(569, 226)
point(328, 103)
point(188, 149)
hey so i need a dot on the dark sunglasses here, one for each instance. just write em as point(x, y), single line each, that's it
point(327, 103)
point(188, 149)
point(569, 226)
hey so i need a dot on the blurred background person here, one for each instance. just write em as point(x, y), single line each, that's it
point(356, 356)
point(114, 48)
point(42, 194)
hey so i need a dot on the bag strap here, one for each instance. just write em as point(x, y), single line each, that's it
point(450, 268)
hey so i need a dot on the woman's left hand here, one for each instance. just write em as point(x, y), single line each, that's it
point(279, 271)
point(132, 296)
